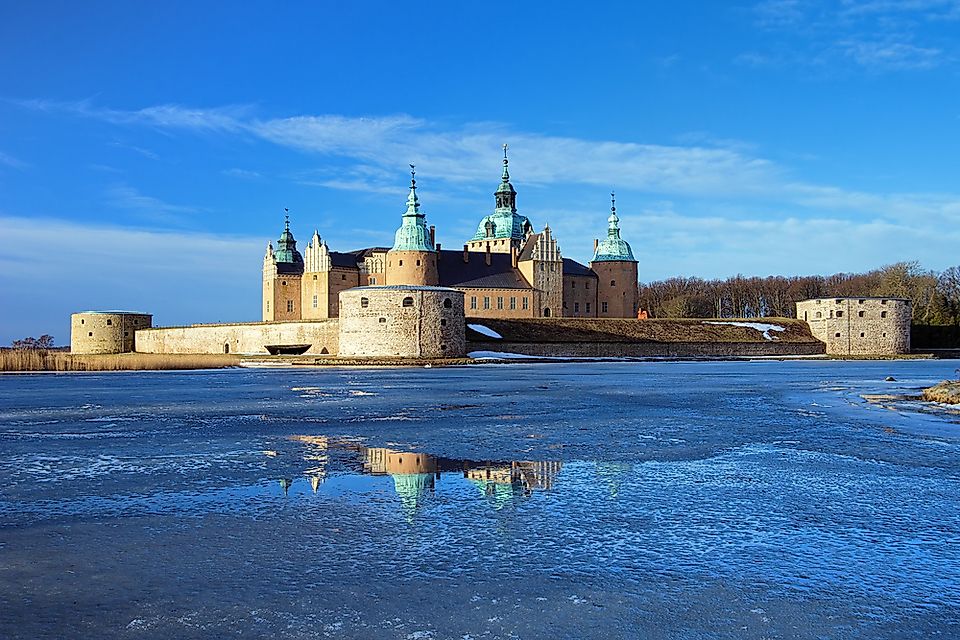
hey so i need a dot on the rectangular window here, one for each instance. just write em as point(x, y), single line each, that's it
point(513, 302)
point(860, 314)
point(486, 302)
point(499, 302)
point(473, 302)
point(586, 285)
point(576, 307)
point(839, 314)
point(526, 304)
point(290, 305)
point(573, 284)
point(314, 277)
point(315, 301)
point(373, 280)
point(603, 307)
point(588, 307)
point(268, 306)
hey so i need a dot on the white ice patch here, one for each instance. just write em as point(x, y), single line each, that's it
point(759, 326)
point(487, 331)
point(496, 355)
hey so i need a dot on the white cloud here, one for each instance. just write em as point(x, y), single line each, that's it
point(129, 198)
point(9, 161)
point(182, 277)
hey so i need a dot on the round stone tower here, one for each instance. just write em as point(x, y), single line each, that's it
point(413, 258)
point(613, 262)
point(106, 331)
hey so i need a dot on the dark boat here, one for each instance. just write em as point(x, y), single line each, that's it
point(287, 349)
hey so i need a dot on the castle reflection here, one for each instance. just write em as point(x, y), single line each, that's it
point(415, 474)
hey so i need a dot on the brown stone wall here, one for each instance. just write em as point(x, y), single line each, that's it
point(650, 349)
point(859, 326)
point(414, 268)
point(246, 338)
point(579, 296)
point(105, 332)
point(278, 292)
point(617, 295)
point(495, 297)
point(415, 322)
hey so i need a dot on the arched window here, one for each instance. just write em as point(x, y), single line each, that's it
point(546, 313)
point(364, 302)
point(613, 283)
point(226, 347)
point(408, 301)
point(447, 303)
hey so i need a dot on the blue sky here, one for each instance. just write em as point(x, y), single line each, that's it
point(147, 150)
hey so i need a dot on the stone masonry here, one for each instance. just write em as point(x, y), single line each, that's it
point(859, 326)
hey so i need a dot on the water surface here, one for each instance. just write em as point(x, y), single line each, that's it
point(664, 500)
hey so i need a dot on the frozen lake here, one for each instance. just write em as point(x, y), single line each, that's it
point(611, 500)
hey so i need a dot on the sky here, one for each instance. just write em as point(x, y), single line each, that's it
point(148, 150)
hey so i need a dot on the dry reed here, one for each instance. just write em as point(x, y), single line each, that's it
point(38, 360)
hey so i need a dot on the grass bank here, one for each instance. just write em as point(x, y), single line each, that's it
point(947, 392)
point(35, 360)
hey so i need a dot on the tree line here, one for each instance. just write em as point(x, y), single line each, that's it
point(935, 296)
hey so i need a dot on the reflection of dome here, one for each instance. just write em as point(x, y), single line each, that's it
point(411, 487)
point(614, 474)
point(500, 494)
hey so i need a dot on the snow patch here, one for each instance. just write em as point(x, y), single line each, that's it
point(759, 326)
point(487, 331)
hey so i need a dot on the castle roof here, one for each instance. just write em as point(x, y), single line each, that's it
point(504, 222)
point(574, 268)
point(499, 274)
point(613, 248)
point(286, 251)
point(413, 234)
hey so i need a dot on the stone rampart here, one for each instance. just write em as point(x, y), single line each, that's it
point(402, 321)
point(859, 326)
point(243, 338)
point(105, 331)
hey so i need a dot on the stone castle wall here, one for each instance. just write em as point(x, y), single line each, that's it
point(404, 322)
point(243, 338)
point(617, 295)
point(859, 326)
point(105, 331)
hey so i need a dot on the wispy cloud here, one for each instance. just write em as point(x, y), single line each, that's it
point(874, 35)
point(9, 161)
point(220, 119)
point(146, 153)
point(243, 174)
point(129, 198)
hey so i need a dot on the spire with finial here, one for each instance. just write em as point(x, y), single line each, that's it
point(413, 234)
point(506, 195)
point(613, 248)
point(506, 164)
point(287, 245)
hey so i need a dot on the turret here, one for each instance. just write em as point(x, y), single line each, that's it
point(413, 258)
point(504, 230)
point(282, 272)
point(614, 264)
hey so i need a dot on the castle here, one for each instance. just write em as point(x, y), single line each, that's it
point(506, 270)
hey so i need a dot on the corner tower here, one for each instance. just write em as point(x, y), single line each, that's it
point(282, 271)
point(413, 259)
point(613, 262)
point(503, 231)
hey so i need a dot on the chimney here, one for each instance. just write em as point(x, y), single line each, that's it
point(488, 254)
point(513, 256)
point(438, 253)
point(433, 234)
point(596, 243)
point(466, 254)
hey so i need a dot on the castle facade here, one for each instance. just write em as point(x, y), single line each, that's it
point(506, 270)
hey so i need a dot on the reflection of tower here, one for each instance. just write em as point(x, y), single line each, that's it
point(316, 456)
point(613, 473)
point(413, 473)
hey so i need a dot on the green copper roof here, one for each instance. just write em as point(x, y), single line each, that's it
point(287, 246)
point(504, 222)
point(413, 234)
point(613, 248)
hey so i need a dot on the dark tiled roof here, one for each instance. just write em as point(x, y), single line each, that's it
point(290, 268)
point(345, 260)
point(499, 274)
point(574, 268)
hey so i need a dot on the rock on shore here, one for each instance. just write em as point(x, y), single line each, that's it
point(947, 392)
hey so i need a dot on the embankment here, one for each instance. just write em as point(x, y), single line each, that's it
point(36, 360)
point(590, 337)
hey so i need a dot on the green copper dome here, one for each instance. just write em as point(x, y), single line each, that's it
point(504, 222)
point(287, 247)
point(413, 234)
point(613, 248)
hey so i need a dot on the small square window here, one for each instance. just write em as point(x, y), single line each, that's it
point(314, 277)
point(382, 320)
point(90, 334)
point(443, 322)
point(343, 276)
point(883, 314)
point(837, 335)
point(839, 314)
point(109, 321)
point(862, 334)
point(861, 313)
